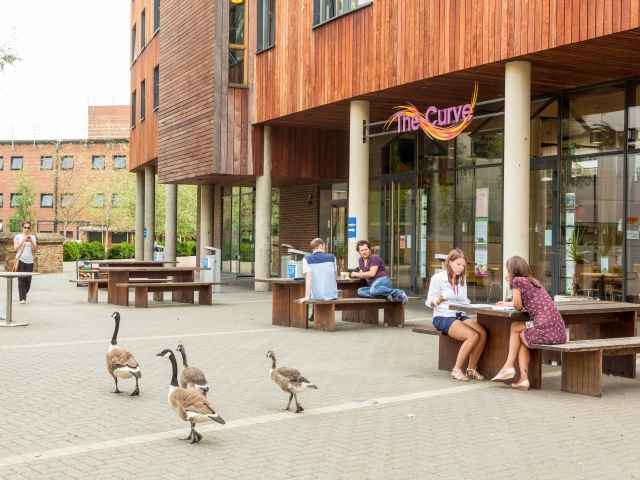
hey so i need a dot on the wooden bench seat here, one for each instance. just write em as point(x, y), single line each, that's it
point(324, 310)
point(428, 331)
point(142, 290)
point(94, 284)
point(582, 361)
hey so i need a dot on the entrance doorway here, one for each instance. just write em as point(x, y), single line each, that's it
point(398, 235)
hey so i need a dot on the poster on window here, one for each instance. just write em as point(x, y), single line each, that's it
point(481, 257)
point(482, 202)
point(482, 232)
point(571, 201)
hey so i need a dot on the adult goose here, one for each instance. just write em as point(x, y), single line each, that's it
point(188, 404)
point(290, 381)
point(120, 362)
point(192, 378)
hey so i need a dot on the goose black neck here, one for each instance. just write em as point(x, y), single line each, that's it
point(114, 340)
point(273, 365)
point(174, 366)
point(184, 358)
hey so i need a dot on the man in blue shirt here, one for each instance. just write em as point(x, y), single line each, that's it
point(320, 272)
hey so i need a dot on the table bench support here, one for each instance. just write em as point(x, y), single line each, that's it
point(582, 372)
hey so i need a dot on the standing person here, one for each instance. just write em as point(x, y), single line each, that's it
point(24, 244)
point(545, 328)
point(320, 272)
point(372, 270)
point(449, 285)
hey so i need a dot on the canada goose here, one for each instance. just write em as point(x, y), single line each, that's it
point(290, 381)
point(192, 378)
point(120, 362)
point(187, 404)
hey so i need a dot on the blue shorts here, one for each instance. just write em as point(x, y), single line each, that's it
point(444, 323)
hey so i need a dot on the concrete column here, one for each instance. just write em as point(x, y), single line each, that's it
point(263, 217)
point(171, 222)
point(149, 210)
point(206, 219)
point(358, 177)
point(139, 216)
point(515, 215)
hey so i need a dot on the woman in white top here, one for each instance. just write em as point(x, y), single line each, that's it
point(24, 244)
point(449, 285)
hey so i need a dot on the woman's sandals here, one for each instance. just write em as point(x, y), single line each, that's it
point(472, 373)
point(457, 374)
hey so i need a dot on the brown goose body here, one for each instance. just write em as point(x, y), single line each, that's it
point(120, 362)
point(290, 381)
point(192, 378)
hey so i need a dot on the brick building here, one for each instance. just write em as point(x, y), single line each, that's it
point(80, 184)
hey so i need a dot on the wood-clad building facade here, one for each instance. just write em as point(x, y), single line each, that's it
point(306, 85)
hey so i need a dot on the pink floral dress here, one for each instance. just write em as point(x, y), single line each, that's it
point(548, 325)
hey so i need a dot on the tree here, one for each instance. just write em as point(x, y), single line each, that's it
point(187, 210)
point(24, 198)
point(8, 55)
point(109, 204)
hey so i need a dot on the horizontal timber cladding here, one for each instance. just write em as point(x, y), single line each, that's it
point(186, 113)
point(391, 43)
point(304, 153)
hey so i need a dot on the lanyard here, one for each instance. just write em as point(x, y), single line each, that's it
point(455, 289)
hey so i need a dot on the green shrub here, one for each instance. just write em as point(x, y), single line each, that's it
point(91, 251)
point(185, 249)
point(122, 250)
point(71, 252)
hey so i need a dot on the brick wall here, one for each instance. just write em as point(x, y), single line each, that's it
point(298, 219)
point(46, 259)
point(109, 122)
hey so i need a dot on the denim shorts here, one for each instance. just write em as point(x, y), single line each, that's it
point(444, 323)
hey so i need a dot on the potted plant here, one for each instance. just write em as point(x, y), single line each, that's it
point(607, 242)
point(340, 251)
point(573, 249)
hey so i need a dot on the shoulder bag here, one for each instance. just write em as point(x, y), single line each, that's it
point(16, 261)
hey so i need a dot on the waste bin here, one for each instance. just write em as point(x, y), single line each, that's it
point(294, 269)
point(284, 261)
point(214, 265)
point(158, 255)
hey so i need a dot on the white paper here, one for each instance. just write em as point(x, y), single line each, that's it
point(547, 238)
point(503, 309)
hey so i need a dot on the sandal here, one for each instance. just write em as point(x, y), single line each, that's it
point(473, 374)
point(457, 374)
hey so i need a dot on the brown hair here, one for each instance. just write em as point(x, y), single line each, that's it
point(518, 267)
point(360, 243)
point(316, 242)
point(454, 255)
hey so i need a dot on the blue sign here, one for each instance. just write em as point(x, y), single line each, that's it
point(291, 270)
point(145, 232)
point(351, 227)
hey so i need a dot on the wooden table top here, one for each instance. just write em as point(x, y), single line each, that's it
point(565, 308)
point(302, 280)
point(150, 269)
point(128, 261)
point(18, 274)
point(600, 274)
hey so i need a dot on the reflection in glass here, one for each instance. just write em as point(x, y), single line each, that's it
point(236, 66)
point(593, 121)
point(634, 116)
point(435, 154)
point(633, 231)
point(540, 226)
point(374, 216)
point(399, 155)
point(544, 128)
point(481, 144)
point(236, 22)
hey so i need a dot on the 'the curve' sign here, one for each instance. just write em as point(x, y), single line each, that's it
point(435, 123)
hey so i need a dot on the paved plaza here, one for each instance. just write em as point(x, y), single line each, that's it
point(382, 410)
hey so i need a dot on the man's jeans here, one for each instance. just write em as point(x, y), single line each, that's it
point(381, 288)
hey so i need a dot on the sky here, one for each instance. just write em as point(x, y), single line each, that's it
point(74, 53)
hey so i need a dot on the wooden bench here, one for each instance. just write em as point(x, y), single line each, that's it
point(94, 284)
point(448, 347)
point(324, 310)
point(142, 290)
point(582, 361)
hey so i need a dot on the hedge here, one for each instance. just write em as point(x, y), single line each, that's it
point(122, 250)
point(185, 249)
point(86, 251)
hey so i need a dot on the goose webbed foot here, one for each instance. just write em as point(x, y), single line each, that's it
point(188, 437)
point(136, 392)
point(116, 390)
point(196, 437)
point(298, 406)
point(288, 404)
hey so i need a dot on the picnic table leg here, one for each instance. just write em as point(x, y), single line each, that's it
point(204, 296)
point(9, 317)
point(324, 317)
point(121, 294)
point(297, 311)
point(158, 296)
point(92, 292)
point(582, 372)
point(142, 297)
point(281, 304)
point(620, 365)
point(393, 314)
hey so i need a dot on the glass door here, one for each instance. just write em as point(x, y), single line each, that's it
point(542, 236)
point(398, 209)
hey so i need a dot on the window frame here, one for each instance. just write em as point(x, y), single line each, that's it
point(21, 162)
point(133, 109)
point(115, 157)
point(263, 9)
point(115, 198)
point(142, 99)
point(46, 195)
point(62, 160)
point(14, 196)
point(93, 159)
point(133, 43)
point(42, 159)
point(244, 47)
point(316, 17)
point(95, 197)
point(156, 87)
point(143, 33)
point(64, 196)
point(156, 16)
point(1, 200)
point(1, 163)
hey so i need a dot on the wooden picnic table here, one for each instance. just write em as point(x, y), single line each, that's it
point(586, 320)
point(120, 295)
point(9, 302)
point(287, 314)
point(128, 262)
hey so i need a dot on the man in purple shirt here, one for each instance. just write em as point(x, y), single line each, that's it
point(372, 270)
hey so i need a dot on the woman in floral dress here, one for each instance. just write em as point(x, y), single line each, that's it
point(548, 326)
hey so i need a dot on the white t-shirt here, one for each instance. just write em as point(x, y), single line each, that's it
point(27, 254)
point(440, 286)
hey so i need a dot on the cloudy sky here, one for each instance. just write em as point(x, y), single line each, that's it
point(74, 53)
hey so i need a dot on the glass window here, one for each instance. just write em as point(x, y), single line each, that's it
point(133, 109)
point(119, 162)
point(116, 200)
point(15, 199)
point(544, 128)
point(142, 100)
point(98, 200)
point(399, 155)
point(482, 143)
point(66, 200)
point(16, 163)
point(156, 87)
point(133, 44)
point(143, 33)
point(67, 163)
point(46, 200)
point(266, 24)
point(1, 200)
point(237, 45)
point(435, 154)
point(1, 163)
point(593, 121)
point(634, 116)
point(375, 232)
point(97, 162)
point(156, 15)
point(324, 10)
point(633, 233)
point(46, 163)
point(591, 224)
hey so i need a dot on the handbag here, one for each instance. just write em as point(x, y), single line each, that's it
point(16, 261)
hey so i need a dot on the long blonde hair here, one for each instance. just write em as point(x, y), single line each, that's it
point(454, 255)
point(518, 267)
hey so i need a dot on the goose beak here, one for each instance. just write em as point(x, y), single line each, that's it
point(160, 354)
